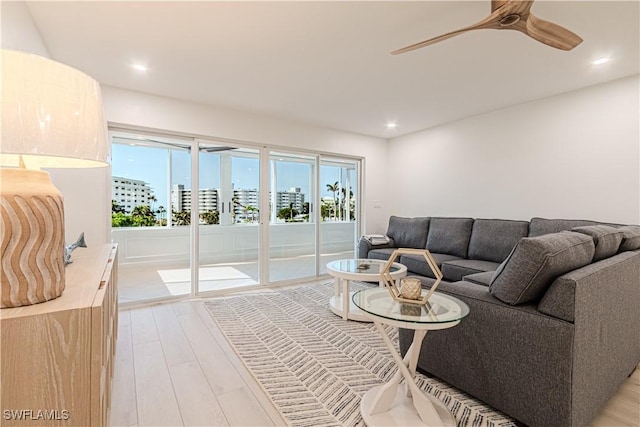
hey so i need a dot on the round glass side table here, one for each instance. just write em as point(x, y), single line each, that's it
point(389, 404)
point(365, 270)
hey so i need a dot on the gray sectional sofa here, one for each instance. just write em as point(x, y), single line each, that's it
point(554, 323)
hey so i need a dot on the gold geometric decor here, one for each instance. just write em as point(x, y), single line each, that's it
point(401, 294)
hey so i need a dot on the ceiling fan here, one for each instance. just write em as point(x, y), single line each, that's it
point(512, 15)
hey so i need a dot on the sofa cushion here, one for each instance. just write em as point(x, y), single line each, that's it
point(383, 253)
point(630, 238)
point(493, 239)
point(449, 236)
point(408, 232)
point(607, 239)
point(455, 270)
point(535, 262)
point(418, 265)
point(540, 226)
point(483, 278)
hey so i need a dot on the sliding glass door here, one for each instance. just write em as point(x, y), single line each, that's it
point(152, 232)
point(228, 216)
point(339, 209)
point(198, 216)
point(292, 226)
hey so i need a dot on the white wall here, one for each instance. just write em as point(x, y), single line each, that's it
point(575, 155)
point(155, 112)
point(19, 32)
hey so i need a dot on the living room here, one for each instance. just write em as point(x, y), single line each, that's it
point(544, 148)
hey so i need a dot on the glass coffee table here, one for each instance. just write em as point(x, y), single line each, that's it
point(365, 270)
point(392, 404)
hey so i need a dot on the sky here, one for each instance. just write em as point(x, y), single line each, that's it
point(151, 165)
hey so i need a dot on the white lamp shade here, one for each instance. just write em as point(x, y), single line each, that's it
point(52, 115)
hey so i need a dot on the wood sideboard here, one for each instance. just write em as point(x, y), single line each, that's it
point(58, 357)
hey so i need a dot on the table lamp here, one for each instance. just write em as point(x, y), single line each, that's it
point(52, 117)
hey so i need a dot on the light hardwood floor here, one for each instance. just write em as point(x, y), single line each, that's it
point(174, 367)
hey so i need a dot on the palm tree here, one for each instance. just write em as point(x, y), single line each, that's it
point(345, 202)
point(116, 207)
point(161, 211)
point(334, 188)
point(152, 200)
point(143, 216)
point(253, 211)
point(249, 211)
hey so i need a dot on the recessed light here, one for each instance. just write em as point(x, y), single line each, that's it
point(139, 67)
point(392, 125)
point(601, 61)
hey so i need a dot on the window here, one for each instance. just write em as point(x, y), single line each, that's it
point(142, 168)
point(263, 215)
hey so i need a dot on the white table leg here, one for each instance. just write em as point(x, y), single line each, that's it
point(414, 350)
point(345, 299)
point(386, 393)
point(413, 353)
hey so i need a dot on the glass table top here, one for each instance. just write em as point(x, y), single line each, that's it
point(369, 266)
point(440, 308)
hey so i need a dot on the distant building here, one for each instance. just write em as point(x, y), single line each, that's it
point(244, 199)
point(293, 197)
point(130, 193)
point(181, 199)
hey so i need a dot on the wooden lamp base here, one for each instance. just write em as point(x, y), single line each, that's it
point(31, 238)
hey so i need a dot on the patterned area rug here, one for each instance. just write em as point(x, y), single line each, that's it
point(314, 366)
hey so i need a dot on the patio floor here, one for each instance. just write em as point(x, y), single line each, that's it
point(141, 284)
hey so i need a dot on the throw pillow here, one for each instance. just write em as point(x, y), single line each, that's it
point(536, 262)
point(606, 238)
point(630, 238)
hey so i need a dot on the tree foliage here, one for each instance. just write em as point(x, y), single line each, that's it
point(288, 214)
point(120, 219)
point(116, 207)
point(141, 216)
point(181, 217)
point(210, 217)
point(325, 211)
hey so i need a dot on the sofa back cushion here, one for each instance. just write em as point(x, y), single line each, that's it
point(540, 226)
point(408, 232)
point(449, 236)
point(607, 239)
point(536, 262)
point(630, 238)
point(493, 239)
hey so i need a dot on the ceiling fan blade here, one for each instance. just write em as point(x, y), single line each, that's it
point(549, 33)
point(491, 21)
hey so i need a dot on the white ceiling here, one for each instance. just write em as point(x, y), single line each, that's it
point(328, 63)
